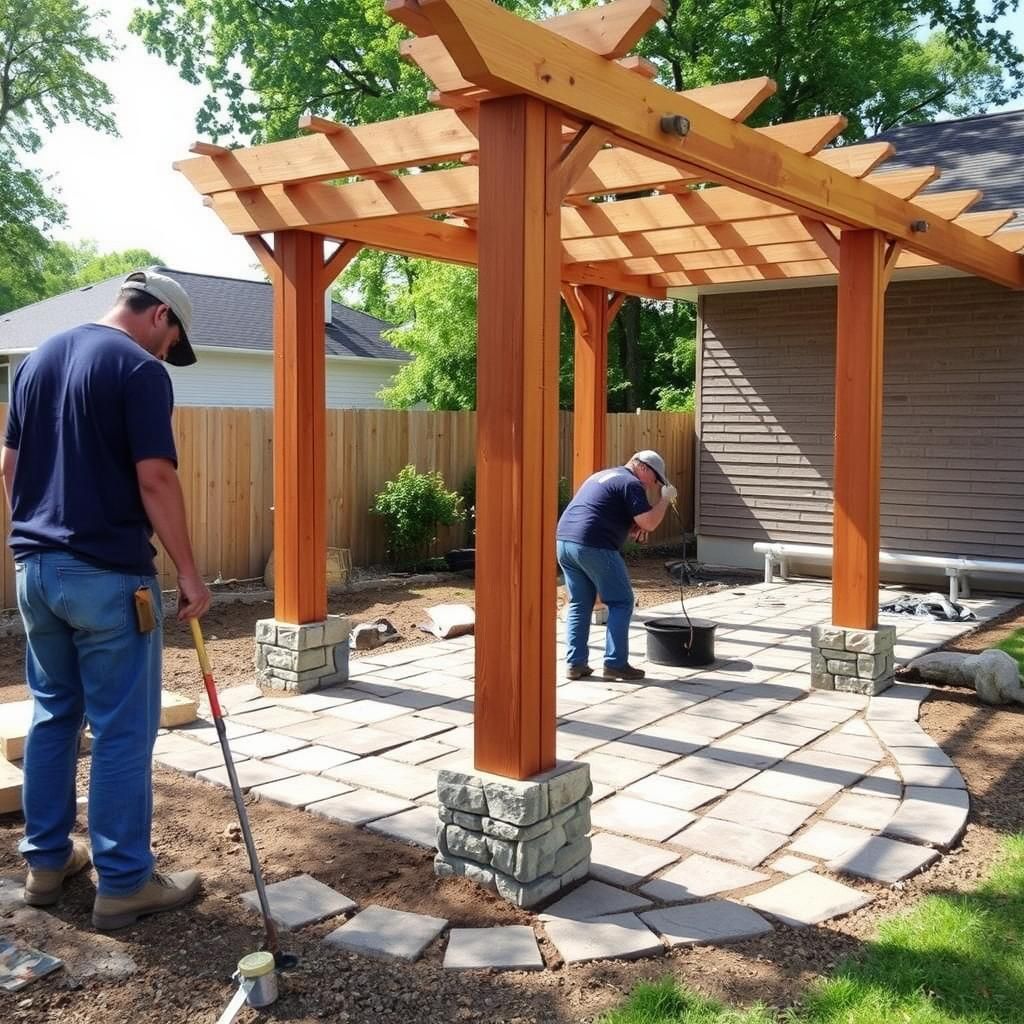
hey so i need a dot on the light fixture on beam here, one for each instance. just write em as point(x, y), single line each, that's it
point(675, 124)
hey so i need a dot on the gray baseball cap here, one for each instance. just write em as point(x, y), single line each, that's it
point(653, 461)
point(171, 294)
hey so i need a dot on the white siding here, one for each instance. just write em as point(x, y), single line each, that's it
point(246, 379)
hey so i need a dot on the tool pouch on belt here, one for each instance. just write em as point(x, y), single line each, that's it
point(144, 614)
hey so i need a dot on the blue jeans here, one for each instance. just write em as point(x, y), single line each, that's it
point(589, 572)
point(86, 659)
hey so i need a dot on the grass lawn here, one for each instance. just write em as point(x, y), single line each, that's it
point(952, 959)
point(1014, 647)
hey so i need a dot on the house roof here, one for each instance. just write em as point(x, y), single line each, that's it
point(984, 151)
point(229, 314)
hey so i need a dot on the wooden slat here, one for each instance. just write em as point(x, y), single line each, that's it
point(949, 204)
point(517, 428)
point(590, 380)
point(858, 430)
point(500, 51)
point(856, 160)
point(906, 183)
point(987, 222)
point(735, 100)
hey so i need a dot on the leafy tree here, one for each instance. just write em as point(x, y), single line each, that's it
point(411, 507)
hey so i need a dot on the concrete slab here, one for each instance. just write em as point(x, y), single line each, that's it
point(831, 767)
point(933, 757)
point(883, 860)
point(271, 718)
point(790, 865)
point(250, 773)
point(748, 752)
point(387, 934)
point(10, 787)
point(782, 732)
point(366, 712)
point(412, 727)
point(633, 817)
point(616, 771)
point(687, 724)
point(699, 876)
point(716, 921)
point(594, 899)
point(417, 827)
point(661, 789)
point(176, 710)
point(939, 778)
point(883, 782)
point(619, 937)
point(872, 812)
point(359, 806)
point(637, 752)
point(267, 744)
point(313, 759)
point(313, 702)
point(205, 732)
point(707, 771)
point(626, 862)
point(419, 751)
point(300, 901)
point(363, 741)
point(864, 747)
point(15, 719)
point(197, 757)
point(503, 948)
point(807, 899)
point(403, 780)
point(928, 815)
point(727, 840)
point(763, 812)
point(666, 738)
point(826, 840)
point(300, 790)
point(792, 782)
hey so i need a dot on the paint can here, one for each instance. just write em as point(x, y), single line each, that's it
point(258, 968)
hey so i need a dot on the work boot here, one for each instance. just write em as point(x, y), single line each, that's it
point(578, 671)
point(623, 672)
point(43, 886)
point(161, 892)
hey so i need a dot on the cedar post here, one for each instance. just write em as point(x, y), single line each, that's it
point(517, 436)
point(858, 429)
point(589, 306)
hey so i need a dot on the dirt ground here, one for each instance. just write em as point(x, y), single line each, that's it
point(184, 960)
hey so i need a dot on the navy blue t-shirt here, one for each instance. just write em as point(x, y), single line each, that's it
point(603, 509)
point(86, 406)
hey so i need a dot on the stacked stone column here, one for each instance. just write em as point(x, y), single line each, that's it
point(526, 840)
point(302, 658)
point(852, 660)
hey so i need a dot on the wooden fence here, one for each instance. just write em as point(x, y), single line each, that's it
point(226, 469)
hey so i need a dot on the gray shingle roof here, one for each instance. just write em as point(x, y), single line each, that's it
point(985, 151)
point(229, 313)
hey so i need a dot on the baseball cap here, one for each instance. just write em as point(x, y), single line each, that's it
point(653, 461)
point(171, 294)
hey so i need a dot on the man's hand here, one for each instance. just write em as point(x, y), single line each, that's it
point(638, 534)
point(668, 492)
point(193, 598)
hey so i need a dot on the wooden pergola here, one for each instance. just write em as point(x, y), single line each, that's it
point(544, 121)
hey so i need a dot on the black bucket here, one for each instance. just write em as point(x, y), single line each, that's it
point(680, 643)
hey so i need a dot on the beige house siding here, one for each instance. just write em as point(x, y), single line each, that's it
point(953, 428)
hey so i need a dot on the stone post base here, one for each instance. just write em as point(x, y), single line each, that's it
point(302, 658)
point(525, 840)
point(852, 660)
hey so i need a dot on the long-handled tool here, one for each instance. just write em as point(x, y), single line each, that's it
point(271, 943)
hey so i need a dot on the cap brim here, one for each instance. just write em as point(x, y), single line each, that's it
point(181, 353)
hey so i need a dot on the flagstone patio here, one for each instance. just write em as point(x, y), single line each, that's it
point(726, 799)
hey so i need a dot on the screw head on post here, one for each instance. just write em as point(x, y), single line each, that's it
point(675, 124)
point(919, 226)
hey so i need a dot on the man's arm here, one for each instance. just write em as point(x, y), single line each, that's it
point(8, 462)
point(165, 506)
point(650, 521)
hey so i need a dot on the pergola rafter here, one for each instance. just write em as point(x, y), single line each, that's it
point(540, 128)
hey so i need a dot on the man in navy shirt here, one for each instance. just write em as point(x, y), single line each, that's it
point(611, 506)
point(90, 469)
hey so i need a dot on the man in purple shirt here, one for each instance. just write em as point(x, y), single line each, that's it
point(610, 507)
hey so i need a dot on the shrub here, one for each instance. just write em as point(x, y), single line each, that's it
point(411, 507)
point(468, 493)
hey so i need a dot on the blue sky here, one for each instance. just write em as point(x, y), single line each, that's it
point(123, 193)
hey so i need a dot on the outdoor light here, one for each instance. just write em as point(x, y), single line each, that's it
point(675, 124)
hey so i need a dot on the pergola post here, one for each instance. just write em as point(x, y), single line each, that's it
point(517, 437)
point(856, 477)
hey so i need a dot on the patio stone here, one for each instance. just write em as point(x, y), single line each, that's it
point(902, 734)
point(503, 948)
point(366, 712)
point(926, 815)
point(790, 865)
point(250, 773)
point(403, 780)
point(312, 729)
point(637, 752)
point(743, 844)
point(267, 744)
point(872, 812)
point(417, 826)
point(639, 818)
point(313, 702)
point(594, 899)
point(412, 727)
point(762, 812)
point(271, 718)
point(619, 937)
point(699, 876)
point(300, 790)
point(688, 724)
point(387, 934)
point(197, 759)
point(931, 756)
point(716, 921)
point(359, 806)
point(616, 771)
point(831, 767)
point(865, 747)
point(749, 752)
point(883, 782)
point(206, 732)
point(300, 901)
point(660, 789)
point(419, 751)
point(668, 739)
point(313, 759)
point(363, 741)
point(807, 899)
point(734, 711)
point(626, 862)
point(781, 732)
point(923, 776)
point(706, 771)
point(789, 782)
point(826, 840)
point(883, 860)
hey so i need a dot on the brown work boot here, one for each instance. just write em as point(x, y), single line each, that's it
point(578, 671)
point(623, 672)
point(161, 892)
point(43, 886)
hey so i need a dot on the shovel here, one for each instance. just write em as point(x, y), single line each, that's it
point(271, 943)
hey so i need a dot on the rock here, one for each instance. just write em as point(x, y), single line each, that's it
point(949, 667)
point(997, 679)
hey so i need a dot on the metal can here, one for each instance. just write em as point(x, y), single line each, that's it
point(258, 968)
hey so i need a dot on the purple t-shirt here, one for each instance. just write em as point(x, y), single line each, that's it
point(603, 509)
point(86, 406)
